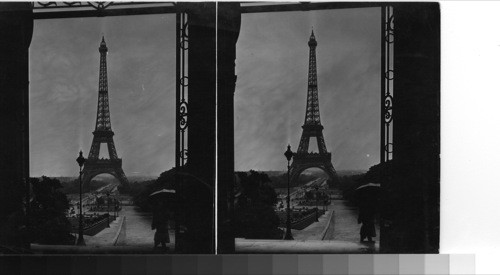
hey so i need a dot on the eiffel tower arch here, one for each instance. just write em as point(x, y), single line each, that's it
point(312, 127)
point(103, 134)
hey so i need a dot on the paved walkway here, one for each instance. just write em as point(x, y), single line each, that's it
point(302, 247)
point(137, 230)
point(336, 232)
point(138, 227)
point(344, 224)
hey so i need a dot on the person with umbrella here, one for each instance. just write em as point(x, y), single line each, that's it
point(160, 218)
point(367, 195)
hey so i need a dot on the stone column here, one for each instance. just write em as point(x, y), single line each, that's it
point(16, 29)
point(201, 128)
point(229, 21)
point(412, 220)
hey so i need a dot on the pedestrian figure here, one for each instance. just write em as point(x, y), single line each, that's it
point(160, 223)
point(367, 218)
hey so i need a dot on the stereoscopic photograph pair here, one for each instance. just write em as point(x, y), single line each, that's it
point(221, 127)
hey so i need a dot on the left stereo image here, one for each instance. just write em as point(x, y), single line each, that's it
point(101, 157)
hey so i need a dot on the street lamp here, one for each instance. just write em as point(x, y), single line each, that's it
point(81, 241)
point(114, 205)
point(107, 194)
point(116, 202)
point(95, 201)
point(317, 206)
point(288, 235)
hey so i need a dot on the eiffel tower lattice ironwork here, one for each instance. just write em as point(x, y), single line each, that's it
point(103, 133)
point(312, 128)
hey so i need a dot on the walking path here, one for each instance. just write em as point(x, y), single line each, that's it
point(336, 232)
point(136, 227)
point(302, 247)
point(130, 233)
point(344, 224)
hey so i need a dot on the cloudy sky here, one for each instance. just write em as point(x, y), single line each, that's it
point(270, 99)
point(272, 60)
point(64, 69)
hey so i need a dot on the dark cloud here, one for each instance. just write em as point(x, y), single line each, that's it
point(270, 100)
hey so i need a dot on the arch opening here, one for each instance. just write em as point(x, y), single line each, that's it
point(101, 182)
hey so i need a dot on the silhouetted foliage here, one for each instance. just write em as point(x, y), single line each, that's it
point(49, 224)
point(255, 215)
point(125, 189)
point(348, 185)
point(141, 191)
point(12, 217)
point(375, 174)
point(100, 201)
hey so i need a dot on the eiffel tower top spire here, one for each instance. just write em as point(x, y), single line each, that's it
point(312, 107)
point(103, 47)
point(312, 39)
point(103, 120)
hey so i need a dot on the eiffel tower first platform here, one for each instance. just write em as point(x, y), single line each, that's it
point(312, 127)
point(103, 133)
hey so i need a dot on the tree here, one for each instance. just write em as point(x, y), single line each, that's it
point(255, 215)
point(378, 172)
point(12, 215)
point(141, 191)
point(309, 195)
point(49, 224)
point(100, 201)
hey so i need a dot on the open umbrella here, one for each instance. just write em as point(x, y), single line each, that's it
point(368, 193)
point(166, 197)
point(164, 194)
point(369, 187)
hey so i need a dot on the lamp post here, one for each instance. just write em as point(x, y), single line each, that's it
point(107, 195)
point(317, 206)
point(288, 235)
point(115, 202)
point(81, 162)
point(95, 201)
point(119, 207)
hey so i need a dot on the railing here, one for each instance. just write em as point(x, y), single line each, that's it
point(93, 228)
point(122, 235)
point(301, 223)
point(97, 227)
point(306, 221)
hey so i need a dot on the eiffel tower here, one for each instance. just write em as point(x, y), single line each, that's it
point(103, 133)
point(312, 127)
